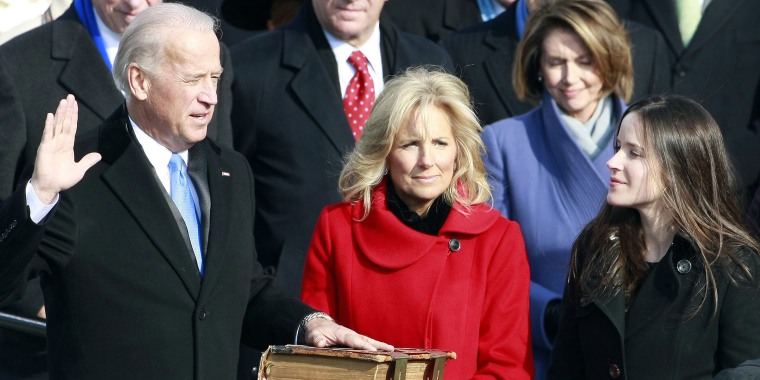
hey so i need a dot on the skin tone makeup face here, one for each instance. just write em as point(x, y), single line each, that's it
point(569, 74)
point(635, 179)
point(422, 159)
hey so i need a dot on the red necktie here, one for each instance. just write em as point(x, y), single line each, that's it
point(360, 95)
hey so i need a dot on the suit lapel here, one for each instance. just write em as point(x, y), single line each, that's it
point(309, 84)
point(219, 188)
point(503, 39)
point(665, 293)
point(90, 83)
point(715, 16)
point(460, 13)
point(664, 14)
point(129, 166)
point(614, 309)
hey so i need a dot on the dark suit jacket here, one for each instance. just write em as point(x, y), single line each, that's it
point(37, 70)
point(653, 338)
point(434, 19)
point(719, 68)
point(42, 66)
point(246, 14)
point(484, 54)
point(123, 295)
point(289, 122)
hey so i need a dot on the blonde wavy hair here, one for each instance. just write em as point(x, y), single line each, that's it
point(415, 92)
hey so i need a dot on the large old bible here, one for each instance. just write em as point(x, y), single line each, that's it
point(293, 362)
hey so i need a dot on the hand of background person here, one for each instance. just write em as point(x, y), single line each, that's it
point(54, 168)
point(321, 332)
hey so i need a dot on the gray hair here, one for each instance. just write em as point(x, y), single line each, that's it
point(145, 39)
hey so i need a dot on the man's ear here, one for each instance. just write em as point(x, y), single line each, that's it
point(139, 81)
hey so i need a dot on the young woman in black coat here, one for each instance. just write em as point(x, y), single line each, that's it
point(664, 282)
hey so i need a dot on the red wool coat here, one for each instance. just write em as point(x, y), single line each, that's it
point(392, 283)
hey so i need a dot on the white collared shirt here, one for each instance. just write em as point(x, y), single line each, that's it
point(111, 39)
point(371, 49)
point(157, 154)
point(159, 157)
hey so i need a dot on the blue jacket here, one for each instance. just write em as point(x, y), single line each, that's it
point(544, 181)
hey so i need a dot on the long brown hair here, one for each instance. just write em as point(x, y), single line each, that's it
point(686, 143)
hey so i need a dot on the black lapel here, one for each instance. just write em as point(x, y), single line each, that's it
point(315, 89)
point(503, 38)
point(85, 74)
point(388, 44)
point(664, 14)
point(614, 309)
point(220, 187)
point(317, 36)
point(458, 14)
point(665, 292)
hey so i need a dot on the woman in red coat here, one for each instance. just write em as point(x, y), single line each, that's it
point(415, 257)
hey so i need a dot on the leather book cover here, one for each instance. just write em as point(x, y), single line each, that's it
point(296, 362)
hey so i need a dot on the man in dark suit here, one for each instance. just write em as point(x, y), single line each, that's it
point(138, 284)
point(288, 115)
point(39, 68)
point(484, 53)
point(715, 63)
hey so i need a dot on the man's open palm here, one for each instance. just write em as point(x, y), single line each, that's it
point(54, 168)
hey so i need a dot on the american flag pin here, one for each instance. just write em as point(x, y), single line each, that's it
point(225, 174)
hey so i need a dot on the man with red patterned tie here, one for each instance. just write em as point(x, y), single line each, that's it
point(295, 116)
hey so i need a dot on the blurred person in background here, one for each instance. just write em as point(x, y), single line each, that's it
point(713, 53)
point(19, 16)
point(485, 53)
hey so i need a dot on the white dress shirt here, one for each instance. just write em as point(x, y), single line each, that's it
point(371, 49)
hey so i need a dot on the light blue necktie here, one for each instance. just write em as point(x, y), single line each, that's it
point(488, 9)
point(181, 193)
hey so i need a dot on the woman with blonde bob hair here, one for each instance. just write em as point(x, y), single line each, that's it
point(664, 283)
point(414, 255)
point(547, 167)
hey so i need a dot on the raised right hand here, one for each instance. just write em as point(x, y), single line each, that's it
point(54, 168)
